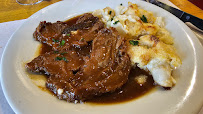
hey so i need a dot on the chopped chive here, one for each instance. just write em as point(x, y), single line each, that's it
point(58, 58)
point(56, 52)
point(144, 19)
point(133, 42)
point(64, 59)
point(82, 39)
point(55, 40)
point(68, 34)
point(112, 19)
point(116, 22)
point(63, 53)
point(61, 58)
point(110, 12)
point(62, 42)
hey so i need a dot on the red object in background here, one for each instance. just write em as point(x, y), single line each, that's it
point(198, 3)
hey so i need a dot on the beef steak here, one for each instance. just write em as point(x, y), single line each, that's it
point(60, 36)
point(91, 61)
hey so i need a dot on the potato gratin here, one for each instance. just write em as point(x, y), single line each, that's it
point(150, 45)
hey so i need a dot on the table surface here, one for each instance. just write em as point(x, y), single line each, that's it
point(10, 10)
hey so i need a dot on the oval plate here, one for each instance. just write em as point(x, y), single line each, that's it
point(25, 97)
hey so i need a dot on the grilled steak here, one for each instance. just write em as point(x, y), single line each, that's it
point(81, 68)
point(60, 36)
point(106, 70)
point(56, 63)
point(46, 31)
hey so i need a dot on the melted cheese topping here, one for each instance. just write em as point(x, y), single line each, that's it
point(130, 22)
point(155, 52)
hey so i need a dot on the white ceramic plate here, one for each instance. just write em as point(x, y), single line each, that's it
point(24, 97)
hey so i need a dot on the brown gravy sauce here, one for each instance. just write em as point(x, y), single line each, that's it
point(130, 91)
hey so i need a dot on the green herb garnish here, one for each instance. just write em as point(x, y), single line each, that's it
point(144, 19)
point(55, 40)
point(133, 42)
point(110, 12)
point(63, 53)
point(116, 22)
point(112, 19)
point(62, 42)
point(68, 34)
point(56, 52)
point(82, 39)
point(64, 59)
point(61, 58)
point(58, 58)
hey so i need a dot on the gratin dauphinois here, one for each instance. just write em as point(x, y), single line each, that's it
point(150, 45)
